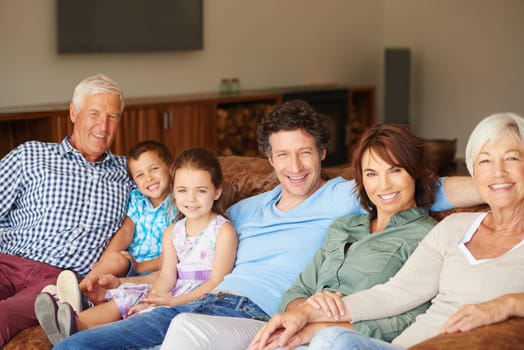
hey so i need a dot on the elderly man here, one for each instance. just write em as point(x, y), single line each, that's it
point(60, 203)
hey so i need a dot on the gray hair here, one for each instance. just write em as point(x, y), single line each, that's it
point(96, 84)
point(490, 128)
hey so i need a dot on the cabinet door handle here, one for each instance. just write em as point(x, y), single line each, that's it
point(167, 120)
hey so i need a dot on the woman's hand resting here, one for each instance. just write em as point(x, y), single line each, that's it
point(331, 303)
point(472, 316)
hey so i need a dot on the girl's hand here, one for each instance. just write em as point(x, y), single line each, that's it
point(331, 303)
point(133, 310)
point(159, 298)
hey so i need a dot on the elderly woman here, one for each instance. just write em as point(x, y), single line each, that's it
point(469, 266)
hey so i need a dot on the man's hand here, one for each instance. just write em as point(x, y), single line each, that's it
point(302, 337)
point(280, 329)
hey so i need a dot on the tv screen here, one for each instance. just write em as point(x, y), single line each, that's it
point(129, 25)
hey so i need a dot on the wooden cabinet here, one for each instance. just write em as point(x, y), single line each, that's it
point(178, 125)
point(137, 124)
point(188, 125)
point(16, 128)
point(185, 121)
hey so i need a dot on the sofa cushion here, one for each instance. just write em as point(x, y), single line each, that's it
point(244, 177)
point(505, 335)
point(247, 176)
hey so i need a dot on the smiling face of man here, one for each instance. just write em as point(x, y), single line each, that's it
point(95, 124)
point(296, 160)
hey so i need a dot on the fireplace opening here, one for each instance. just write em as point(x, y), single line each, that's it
point(237, 122)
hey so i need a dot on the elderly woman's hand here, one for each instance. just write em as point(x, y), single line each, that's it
point(472, 316)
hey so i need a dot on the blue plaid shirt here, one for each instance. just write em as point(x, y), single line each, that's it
point(58, 208)
point(149, 223)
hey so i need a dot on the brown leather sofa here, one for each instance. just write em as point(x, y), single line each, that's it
point(246, 176)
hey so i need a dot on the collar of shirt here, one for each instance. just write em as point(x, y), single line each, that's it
point(146, 202)
point(345, 223)
point(66, 147)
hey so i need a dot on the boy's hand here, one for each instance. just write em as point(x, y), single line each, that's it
point(94, 287)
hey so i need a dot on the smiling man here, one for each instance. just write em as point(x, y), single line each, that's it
point(60, 203)
point(279, 233)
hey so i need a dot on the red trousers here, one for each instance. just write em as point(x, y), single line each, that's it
point(21, 280)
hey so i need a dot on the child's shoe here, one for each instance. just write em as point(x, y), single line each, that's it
point(68, 290)
point(46, 313)
point(51, 289)
point(66, 319)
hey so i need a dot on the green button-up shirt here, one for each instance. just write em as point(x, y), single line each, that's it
point(352, 259)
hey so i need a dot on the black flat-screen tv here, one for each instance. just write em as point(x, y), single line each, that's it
point(90, 26)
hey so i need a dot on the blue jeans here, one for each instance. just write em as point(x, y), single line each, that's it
point(148, 329)
point(338, 338)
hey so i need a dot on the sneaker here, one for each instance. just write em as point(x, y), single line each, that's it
point(66, 319)
point(51, 289)
point(46, 313)
point(68, 291)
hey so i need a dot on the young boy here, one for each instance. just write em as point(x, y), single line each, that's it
point(135, 248)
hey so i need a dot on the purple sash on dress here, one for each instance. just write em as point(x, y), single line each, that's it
point(199, 275)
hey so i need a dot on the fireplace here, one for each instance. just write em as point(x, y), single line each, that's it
point(237, 122)
point(333, 104)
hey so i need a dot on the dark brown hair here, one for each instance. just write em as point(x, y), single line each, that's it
point(202, 159)
point(150, 146)
point(399, 147)
point(292, 115)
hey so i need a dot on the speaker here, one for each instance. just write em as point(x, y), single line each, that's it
point(396, 101)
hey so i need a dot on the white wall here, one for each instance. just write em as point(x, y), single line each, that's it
point(264, 43)
point(467, 55)
point(467, 61)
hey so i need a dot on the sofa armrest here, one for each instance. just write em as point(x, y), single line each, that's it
point(504, 335)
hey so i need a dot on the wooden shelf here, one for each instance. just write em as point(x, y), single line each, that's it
point(180, 121)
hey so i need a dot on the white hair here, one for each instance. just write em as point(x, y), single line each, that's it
point(490, 128)
point(96, 84)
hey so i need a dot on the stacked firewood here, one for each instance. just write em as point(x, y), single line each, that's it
point(237, 128)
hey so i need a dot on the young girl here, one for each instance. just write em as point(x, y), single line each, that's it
point(135, 247)
point(197, 252)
